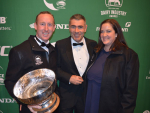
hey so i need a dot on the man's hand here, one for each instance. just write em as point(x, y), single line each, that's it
point(20, 107)
point(76, 80)
point(33, 106)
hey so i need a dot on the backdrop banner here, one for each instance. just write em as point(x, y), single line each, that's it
point(16, 24)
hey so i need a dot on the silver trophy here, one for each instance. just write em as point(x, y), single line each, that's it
point(37, 87)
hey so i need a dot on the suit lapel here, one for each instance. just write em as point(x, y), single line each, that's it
point(89, 48)
point(69, 54)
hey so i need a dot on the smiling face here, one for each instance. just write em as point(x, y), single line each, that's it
point(77, 29)
point(45, 26)
point(107, 35)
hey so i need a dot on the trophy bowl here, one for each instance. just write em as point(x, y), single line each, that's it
point(37, 87)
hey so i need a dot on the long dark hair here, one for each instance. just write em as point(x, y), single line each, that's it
point(119, 41)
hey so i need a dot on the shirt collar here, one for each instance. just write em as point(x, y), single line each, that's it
point(40, 40)
point(73, 41)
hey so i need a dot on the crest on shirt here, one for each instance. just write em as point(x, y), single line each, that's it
point(38, 60)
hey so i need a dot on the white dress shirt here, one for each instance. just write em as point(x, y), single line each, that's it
point(81, 56)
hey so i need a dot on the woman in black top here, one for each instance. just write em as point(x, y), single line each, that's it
point(112, 79)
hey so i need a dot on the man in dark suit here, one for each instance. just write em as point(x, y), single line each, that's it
point(34, 53)
point(73, 55)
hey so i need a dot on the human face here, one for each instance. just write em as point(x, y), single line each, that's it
point(107, 35)
point(77, 29)
point(45, 26)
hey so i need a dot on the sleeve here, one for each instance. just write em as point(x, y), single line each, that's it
point(132, 75)
point(62, 75)
point(13, 72)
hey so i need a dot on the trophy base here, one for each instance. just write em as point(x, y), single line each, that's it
point(50, 105)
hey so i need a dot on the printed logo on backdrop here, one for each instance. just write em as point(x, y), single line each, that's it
point(1, 76)
point(113, 3)
point(127, 25)
point(60, 5)
point(113, 8)
point(146, 111)
point(125, 29)
point(4, 50)
point(7, 100)
point(58, 26)
point(3, 21)
point(1, 111)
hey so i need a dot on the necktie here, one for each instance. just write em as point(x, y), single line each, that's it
point(75, 44)
point(42, 43)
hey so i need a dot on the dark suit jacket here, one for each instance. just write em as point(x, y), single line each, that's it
point(22, 59)
point(119, 82)
point(66, 68)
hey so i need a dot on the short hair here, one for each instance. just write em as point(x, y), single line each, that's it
point(77, 17)
point(119, 41)
point(44, 12)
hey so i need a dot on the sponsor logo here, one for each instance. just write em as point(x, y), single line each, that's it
point(60, 5)
point(127, 25)
point(3, 21)
point(113, 3)
point(148, 77)
point(31, 25)
point(1, 76)
point(58, 26)
point(1, 111)
point(62, 26)
point(125, 29)
point(113, 8)
point(146, 111)
point(38, 60)
point(3, 49)
point(5, 28)
point(7, 100)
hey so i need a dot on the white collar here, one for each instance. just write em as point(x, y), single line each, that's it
point(73, 41)
point(41, 40)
